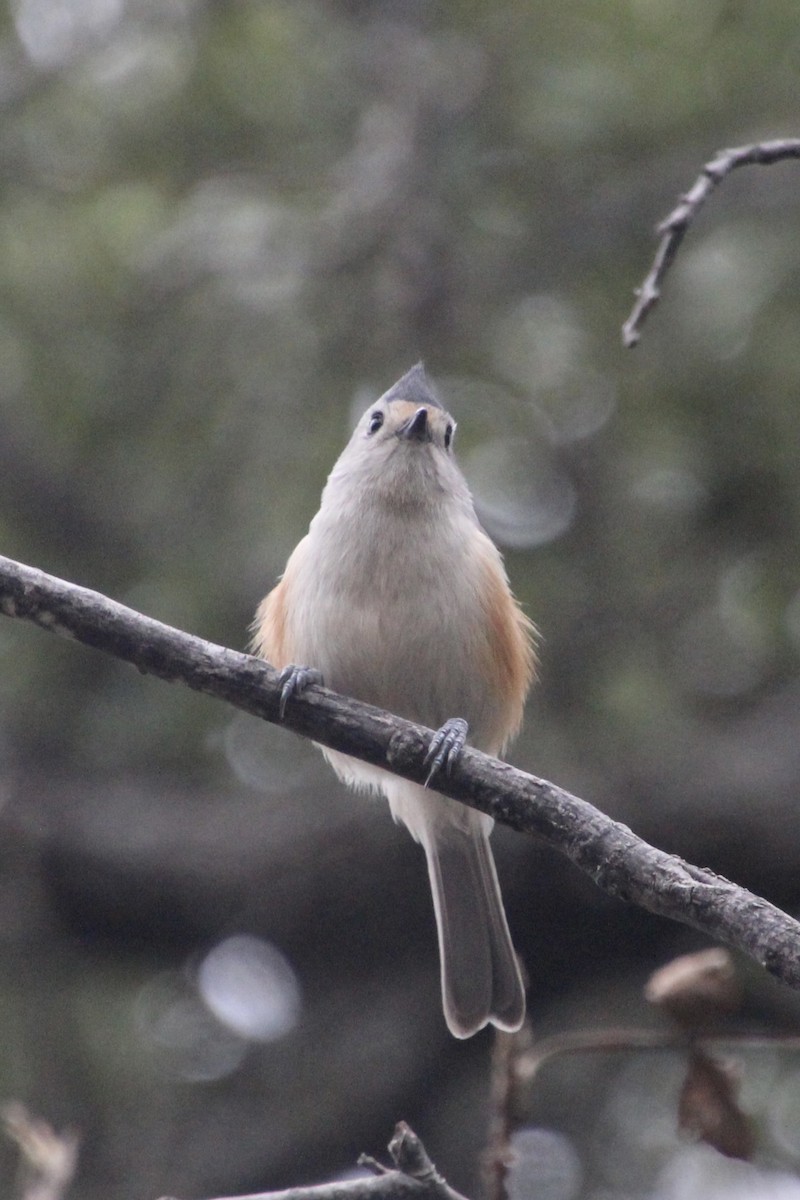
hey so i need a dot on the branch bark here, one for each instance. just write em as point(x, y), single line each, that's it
point(620, 863)
point(414, 1178)
point(673, 227)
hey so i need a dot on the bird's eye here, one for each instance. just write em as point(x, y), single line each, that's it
point(448, 437)
point(375, 421)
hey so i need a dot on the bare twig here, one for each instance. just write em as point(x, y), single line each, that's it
point(673, 228)
point(619, 862)
point(622, 1041)
point(508, 1051)
point(47, 1159)
point(414, 1178)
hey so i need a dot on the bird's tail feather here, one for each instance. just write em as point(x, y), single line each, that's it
point(481, 980)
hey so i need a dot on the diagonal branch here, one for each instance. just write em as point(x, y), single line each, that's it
point(609, 853)
point(673, 228)
point(414, 1178)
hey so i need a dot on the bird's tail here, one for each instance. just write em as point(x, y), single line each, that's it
point(481, 980)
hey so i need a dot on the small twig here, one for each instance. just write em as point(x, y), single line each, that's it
point(495, 1156)
point(47, 1159)
point(371, 1164)
point(619, 1041)
point(414, 1178)
point(508, 1051)
point(673, 228)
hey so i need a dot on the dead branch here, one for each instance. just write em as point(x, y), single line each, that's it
point(47, 1159)
point(414, 1178)
point(620, 863)
point(673, 228)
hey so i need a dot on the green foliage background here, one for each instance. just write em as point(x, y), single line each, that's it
point(225, 227)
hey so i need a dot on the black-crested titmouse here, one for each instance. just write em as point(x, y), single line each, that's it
point(397, 597)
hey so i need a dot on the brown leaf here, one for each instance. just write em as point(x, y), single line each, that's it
point(708, 1108)
point(696, 989)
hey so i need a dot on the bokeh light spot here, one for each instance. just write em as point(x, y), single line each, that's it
point(543, 1164)
point(251, 988)
point(183, 1035)
point(522, 495)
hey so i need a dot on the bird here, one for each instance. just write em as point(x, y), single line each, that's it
point(397, 597)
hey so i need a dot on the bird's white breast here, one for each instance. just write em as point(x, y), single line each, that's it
point(389, 607)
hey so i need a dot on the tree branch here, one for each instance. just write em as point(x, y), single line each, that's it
point(620, 863)
point(47, 1159)
point(414, 1178)
point(673, 228)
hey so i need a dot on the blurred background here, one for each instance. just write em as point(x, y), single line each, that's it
point(225, 227)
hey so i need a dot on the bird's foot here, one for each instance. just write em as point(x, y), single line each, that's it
point(294, 681)
point(446, 747)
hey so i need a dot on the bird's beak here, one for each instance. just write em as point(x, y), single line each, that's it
point(416, 428)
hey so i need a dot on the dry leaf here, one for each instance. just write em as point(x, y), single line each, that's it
point(708, 1108)
point(696, 989)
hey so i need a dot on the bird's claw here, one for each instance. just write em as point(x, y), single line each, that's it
point(446, 747)
point(294, 680)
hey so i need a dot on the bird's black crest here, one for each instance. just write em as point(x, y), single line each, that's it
point(414, 386)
